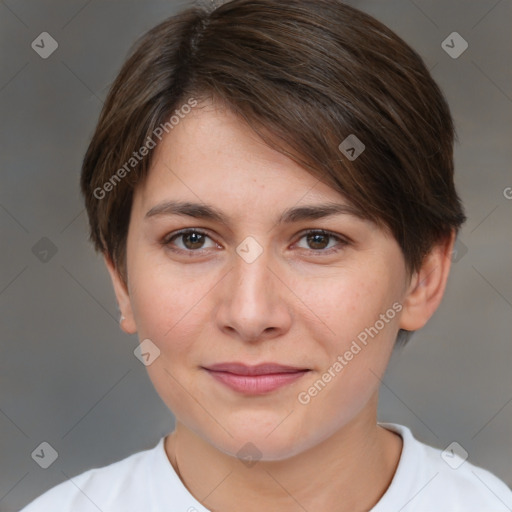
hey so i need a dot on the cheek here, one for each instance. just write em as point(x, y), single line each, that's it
point(167, 306)
point(169, 309)
point(345, 305)
point(357, 330)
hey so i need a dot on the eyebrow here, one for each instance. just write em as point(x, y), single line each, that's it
point(295, 214)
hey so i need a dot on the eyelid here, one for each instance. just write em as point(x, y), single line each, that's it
point(338, 236)
point(166, 240)
point(174, 234)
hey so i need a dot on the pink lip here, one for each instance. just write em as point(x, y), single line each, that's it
point(255, 380)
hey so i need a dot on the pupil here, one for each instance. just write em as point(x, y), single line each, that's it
point(315, 239)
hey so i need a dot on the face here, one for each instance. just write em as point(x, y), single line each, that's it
point(250, 289)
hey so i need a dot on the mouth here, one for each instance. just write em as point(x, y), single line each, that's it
point(255, 380)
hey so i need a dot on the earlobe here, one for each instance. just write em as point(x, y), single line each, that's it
point(427, 286)
point(127, 321)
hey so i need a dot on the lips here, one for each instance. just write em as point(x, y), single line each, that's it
point(255, 380)
point(260, 369)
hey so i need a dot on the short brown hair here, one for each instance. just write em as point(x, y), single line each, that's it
point(305, 74)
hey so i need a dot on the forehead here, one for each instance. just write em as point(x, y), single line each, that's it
point(213, 155)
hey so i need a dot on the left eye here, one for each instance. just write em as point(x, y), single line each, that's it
point(318, 241)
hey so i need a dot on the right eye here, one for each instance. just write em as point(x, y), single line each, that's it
point(192, 240)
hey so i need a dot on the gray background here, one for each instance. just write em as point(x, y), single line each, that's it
point(68, 375)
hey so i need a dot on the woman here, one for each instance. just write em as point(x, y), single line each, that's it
point(271, 185)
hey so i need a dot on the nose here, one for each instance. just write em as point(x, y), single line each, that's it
point(254, 303)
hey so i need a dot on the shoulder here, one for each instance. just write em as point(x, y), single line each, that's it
point(428, 478)
point(118, 484)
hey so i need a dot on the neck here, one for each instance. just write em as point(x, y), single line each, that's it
point(348, 471)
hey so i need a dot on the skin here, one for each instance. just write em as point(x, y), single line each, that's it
point(298, 304)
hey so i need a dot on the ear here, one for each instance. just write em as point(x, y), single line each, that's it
point(427, 286)
point(123, 298)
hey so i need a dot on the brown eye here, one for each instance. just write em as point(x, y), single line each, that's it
point(318, 240)
point(321, 241)
point(191, 240)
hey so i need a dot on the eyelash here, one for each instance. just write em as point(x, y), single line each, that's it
point(342, 241)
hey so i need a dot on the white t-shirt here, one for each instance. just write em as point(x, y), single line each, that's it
point(147, 482)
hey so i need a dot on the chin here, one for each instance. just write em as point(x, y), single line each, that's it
point(261, 442)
